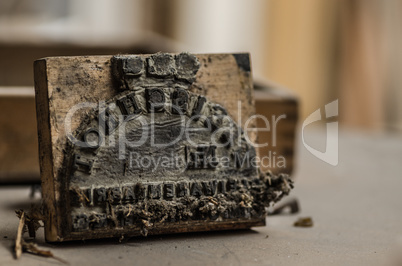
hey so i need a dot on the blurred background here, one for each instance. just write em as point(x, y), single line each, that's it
point(321, 51)
point(317, 51)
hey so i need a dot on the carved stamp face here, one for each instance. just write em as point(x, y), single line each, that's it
point(180, 151)
point(156, 157)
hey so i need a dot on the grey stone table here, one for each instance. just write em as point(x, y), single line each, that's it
point(356, 207)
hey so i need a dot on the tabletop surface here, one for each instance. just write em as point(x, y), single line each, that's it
point(356, 208)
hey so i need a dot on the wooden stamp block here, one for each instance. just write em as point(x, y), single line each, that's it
point(148, 144)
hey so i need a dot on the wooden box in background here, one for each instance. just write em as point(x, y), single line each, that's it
point(19, 161)
point(280, 107)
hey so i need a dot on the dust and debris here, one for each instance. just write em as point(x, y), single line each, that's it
point(32, 219)
point(304, 222)
point(275, 187)
point(290, 206)
point(31, 222)
point(145, 226)
point(110, 210)
point(80, 194)
point(20, 231)
point(249, 201)
point(33, 249)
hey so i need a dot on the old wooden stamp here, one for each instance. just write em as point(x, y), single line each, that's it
point(149, 144)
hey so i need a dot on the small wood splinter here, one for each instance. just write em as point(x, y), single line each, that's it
point(292, 204)
point(304, 222)
point(18, 240)
point(33, 249)
point(22, 246)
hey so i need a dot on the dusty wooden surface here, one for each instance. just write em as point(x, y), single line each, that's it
point(355, 207)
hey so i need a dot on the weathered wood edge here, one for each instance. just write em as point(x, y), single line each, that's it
point(45, 149)
point(185, 227)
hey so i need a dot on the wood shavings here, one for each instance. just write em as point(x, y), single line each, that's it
point(304, 222)
point(20, 231)
point(30, 222)
point(32, 248)
point(290, 206)
point(80, 194)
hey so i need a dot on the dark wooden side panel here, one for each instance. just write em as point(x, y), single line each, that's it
point(45, 148)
